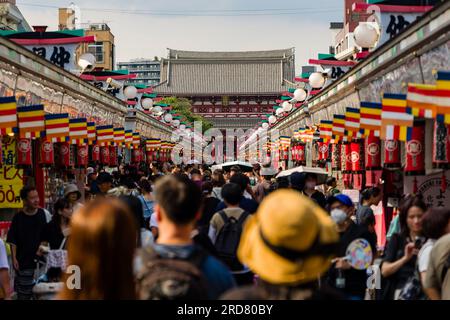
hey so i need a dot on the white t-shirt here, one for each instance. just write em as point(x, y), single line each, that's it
point(153, 222)
point(3, 256)
point(424, 255)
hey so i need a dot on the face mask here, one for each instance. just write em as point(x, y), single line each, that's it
point(338, 216)
point(311, 185)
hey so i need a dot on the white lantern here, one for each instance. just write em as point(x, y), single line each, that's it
point(279, 112)
point(168, 117)
point(300, 95)
point(265, 126)
point(183, 127)
point(157, 110)
point(130, 92)
point(366, 35)
point(176, 123)
point(287, 107)
point(316, 80)
point(272, 119)
point(147, 103)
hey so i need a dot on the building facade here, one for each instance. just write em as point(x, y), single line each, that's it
point(231, 89)
point(11, 18)
point(148, 72)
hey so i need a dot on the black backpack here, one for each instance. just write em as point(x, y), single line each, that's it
point(227, 241)
point(172, 279)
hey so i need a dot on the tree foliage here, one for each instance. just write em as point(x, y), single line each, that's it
point(183, 107)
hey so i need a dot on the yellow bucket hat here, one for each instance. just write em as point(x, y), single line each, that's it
point(290, 240)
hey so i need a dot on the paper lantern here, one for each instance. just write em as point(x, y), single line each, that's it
point(323, 148)
point(373, 153)
point(66, 155)
point(95, 154)
point(415, 151)
point(46, 154)
point(24, 152)
point(113, 161)
point(82, 156)
point(392, 154)
point(441, 145)
point(356, 157)
point(104, 156)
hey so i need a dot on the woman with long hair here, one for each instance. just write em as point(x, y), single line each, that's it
point(102, 245)
point(400, 258)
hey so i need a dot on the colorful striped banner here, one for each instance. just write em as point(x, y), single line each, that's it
point(338, 127)
point(31, 121)
point(370, 118)
point(79, 133)
point(442, 96)
point(136, 140)
point(129, 138)
point(326, 130)
point(420, 99)
point(57, 127)
point(105, 135)
point(352, 118)
point(119, 136)
point(8, 115)
point(396, 117)
point(92, 133)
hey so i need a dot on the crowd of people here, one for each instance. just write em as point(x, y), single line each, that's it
point(186, 233)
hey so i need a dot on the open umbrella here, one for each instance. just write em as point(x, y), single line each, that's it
point(244, 166)
point(321, 174)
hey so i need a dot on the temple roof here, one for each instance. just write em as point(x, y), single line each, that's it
point(226, 73)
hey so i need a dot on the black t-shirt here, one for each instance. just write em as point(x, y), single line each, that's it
point(395, 250)
point(53, 235)
point(355, 280)
point(209, 208)
point(26, 232)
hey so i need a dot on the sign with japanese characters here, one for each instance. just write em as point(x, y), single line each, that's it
point(11, 178)
point(61, 55)
point(392, 23)
point(430, 187)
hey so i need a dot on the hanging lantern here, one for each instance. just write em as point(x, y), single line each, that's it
point(415, 151)
point(392, 154)
point(46, 154)
point(336, 157)
point(66, 155)
point(356, 158)
point(82, 156)
point(323, 148)
point(95, 154)
point(301, 153)
point(104, 156)
point(113, 161)
point(373, 153)
point(149, 156)
point(136, 156)
point(24, 152)
point(346, 158)
point(441, 145)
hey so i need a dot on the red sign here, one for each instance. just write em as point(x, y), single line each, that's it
point(46, 155)
point(356, 157)
point(24, 152)
point(323, 148)
point(67, 155)
point(335, 156)
point(415, 151)
point(392, 154)
point(441, 145)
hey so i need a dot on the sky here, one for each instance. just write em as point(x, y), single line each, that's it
point(144, 29)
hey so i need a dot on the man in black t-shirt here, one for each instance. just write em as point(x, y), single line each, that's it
point(25, 237)
point(342, 276)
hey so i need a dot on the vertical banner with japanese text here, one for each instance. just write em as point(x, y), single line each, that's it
point(11, 178)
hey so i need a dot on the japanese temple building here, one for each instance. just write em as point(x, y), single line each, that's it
point(231, 89)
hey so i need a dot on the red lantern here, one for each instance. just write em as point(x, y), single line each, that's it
point(113, 161)
point(415, 150)
point(104, 156)
point(66, 155)
point(46, 154)
point(82, 156)
point(323, 148)
point(441, 145)
point(149, 155)
point(392, 154)
point(24, 152)
point(301, 153)
point(346, 159)
point(136, 156)
point(373, 153)
point(96, 153)
point(356, 157)
point(336, 157)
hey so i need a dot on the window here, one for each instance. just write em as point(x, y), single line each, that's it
point(97, 50)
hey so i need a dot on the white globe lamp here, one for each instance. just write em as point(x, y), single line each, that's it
point(287, 107)
point(147, 103)
point(316, 80)
point(182, 127)
point(272, 119)
point(168, 117)
point(265, 126)
point(366, 35)
point(300, 94)
point(176, 123)
point(279, 112)
point(157, 110)
point(130, 92)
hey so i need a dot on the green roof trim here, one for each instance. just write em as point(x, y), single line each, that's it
point(138, 86)
point(291, 90)
point(149, 95)
point(305, 75)
point(325, 56)
point(75, 33)
point(286, 98)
